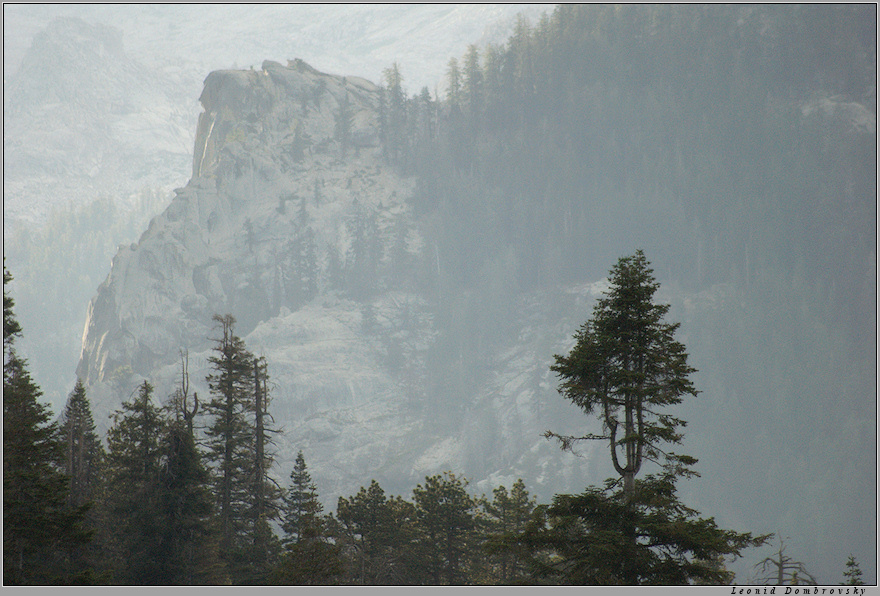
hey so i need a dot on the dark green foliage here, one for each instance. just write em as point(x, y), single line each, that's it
point(853, 574)
point(83, 464)
point(309, 558)
point(84, 452)
point(132, 495)
point(608, 537)
point(240, 451)
point(445, 514)
point(505, 517)
point(190, 539)
point(42, 533)
point(379, 538)
point(230, 431)
point(11, 327)
point(301, 520)
point(627, 367)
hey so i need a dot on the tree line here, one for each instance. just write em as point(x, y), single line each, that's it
point(164, 504)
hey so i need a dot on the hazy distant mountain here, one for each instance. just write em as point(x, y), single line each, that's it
point(409, 278)
point(101, 101)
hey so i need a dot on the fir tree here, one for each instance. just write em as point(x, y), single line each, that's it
point(84, 452)
point(309, 558)
point(230, 436)
point(41, 532)
point(302, 520)
point(190, 542)
point(626, 366)
point(445, 512)
point(265, 495)
point(132, 490)
point(853, 573)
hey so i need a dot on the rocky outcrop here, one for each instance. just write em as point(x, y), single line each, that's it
point(300, 236)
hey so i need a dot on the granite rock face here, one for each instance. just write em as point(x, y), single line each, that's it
point(304, 240)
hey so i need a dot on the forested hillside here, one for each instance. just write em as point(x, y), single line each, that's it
point(404, 268)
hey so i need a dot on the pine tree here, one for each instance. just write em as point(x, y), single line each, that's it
point(132, 494)
point(507, 515)
point(445, 512)
point(853, 573)
point(309, 558)
point(627, 366)
point(41, 532)
point(230, 437)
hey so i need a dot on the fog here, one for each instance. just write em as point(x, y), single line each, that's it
point(735, 145)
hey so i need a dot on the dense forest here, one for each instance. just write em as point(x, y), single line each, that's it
point(682, 125)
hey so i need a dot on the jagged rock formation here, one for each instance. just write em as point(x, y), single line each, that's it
point(304, 238)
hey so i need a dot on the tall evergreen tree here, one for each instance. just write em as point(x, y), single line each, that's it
point(445, 512)
point(230, 436)
point(309, 557)
point(84, 452)
point(132, 490)
point(627, 366)
point(302, 520)
point(265, 495)
point(83, 464)
point(191, 538)
point(41, 532)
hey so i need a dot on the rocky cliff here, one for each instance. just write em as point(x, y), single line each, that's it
point(307, 239)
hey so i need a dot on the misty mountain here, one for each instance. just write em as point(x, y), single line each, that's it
point(101, 105)
point(408, 265)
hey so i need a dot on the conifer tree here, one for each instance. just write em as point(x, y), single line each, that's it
point(265, 495)
point(190, 541)
point(626, 366)
point(132, 495)
point(853, 573)
point(380, 538)
point(84, 452)
point(83, 464)
point(230, 437)
point(308, 558)
point(301, 520)
point(507, 515)
point(40, 530)
point(445, 512)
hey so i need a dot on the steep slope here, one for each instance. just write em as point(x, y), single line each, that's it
point(299, 243)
